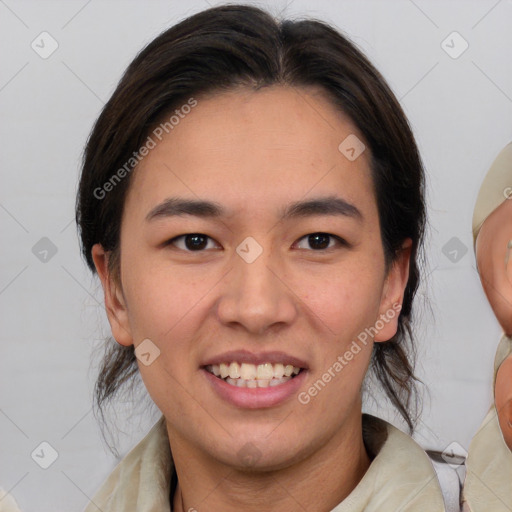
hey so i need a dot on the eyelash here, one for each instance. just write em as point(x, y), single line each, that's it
point(340, 241)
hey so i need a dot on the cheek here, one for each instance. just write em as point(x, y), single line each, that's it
point(159, 298)
point(166, 307)
point(503, 398)
point(345, 299)
point(503, 389)
point(505, 421)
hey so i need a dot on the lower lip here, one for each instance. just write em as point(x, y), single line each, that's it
point(255, 398)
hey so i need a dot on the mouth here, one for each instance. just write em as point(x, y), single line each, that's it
point(248, 375)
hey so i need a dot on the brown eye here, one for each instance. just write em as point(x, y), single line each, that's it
point(192, 242)
point(321, 241)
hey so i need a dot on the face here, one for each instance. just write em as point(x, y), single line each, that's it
point(286, 266)
point(494, 259)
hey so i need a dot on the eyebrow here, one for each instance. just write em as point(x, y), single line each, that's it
point(331, 205)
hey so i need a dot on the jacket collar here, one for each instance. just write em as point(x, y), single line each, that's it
point(400, 477)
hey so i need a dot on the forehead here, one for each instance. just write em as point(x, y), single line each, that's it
point(256, 149)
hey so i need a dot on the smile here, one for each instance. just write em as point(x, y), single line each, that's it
point(247, 375)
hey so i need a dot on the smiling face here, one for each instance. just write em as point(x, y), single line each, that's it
point(218, 270)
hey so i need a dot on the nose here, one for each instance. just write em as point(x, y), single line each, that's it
point(256, 297)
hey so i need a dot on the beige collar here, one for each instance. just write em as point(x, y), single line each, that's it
point(400, 477)
point(488, 484)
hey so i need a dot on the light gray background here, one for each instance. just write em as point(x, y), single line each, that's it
point(51, 312)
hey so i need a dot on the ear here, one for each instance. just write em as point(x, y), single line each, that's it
point(115, 305)
point(393, 293)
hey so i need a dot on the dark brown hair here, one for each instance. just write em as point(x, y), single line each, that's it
point(231, 46)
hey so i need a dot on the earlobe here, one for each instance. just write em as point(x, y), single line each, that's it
point(393, 293)
point(115, 306)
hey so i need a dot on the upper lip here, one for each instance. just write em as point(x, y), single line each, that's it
point(244, 356)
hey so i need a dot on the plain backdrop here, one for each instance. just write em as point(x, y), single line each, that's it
point(459, 104)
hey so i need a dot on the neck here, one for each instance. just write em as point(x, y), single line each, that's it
point(318, 482)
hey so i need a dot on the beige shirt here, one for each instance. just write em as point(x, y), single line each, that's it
point(488, 484)
point(7, 502)
point(400, 477)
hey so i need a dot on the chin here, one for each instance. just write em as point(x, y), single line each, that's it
point(260, 457)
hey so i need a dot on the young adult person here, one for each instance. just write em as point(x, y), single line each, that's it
point(252, 200)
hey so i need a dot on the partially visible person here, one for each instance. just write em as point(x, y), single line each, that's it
point(7, 502)
point(488, 484)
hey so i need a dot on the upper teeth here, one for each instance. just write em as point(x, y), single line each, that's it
point(249, 371)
